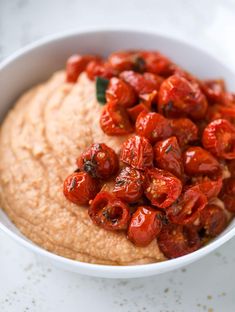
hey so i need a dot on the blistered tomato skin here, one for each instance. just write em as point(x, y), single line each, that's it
point(80, 188)
point(161, 187)
point(114, 120)
point(214, 90)
point(99, 160)
point(180, 98)
point(129, 185)
point(176, 240)
point(118, 90)
point(210, 188)
point(144, 226)
point(76, 64)
point(213, 220)
point(142, 83)
point(219, 138)
point(137, 152)
point(199, 161)
point(156, 63)
point(186, 210)
point(152, 126)
point(123, 60)
point(167, 156)
point(109, 212)
point(99, 68)
point(185, 130)
point(136, 110)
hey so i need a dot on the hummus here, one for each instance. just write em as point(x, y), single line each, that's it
point(40, 138)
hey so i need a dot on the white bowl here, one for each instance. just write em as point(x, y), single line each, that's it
point(37, 62)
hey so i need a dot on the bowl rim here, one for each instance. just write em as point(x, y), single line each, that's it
point(142, 269)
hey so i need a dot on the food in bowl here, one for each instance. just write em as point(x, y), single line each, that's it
point(122, 161)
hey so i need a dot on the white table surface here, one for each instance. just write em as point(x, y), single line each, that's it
point(29, 284)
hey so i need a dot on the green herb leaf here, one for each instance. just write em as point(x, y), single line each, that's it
point(101, 86)
point(169, 148)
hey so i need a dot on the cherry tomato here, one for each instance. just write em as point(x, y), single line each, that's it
point(99, 68)
point(76, 64)
point(142, 83)
point(125, 60)
point(153, 126)
point(167, 156)
point(80, 188)
point(156, 63)
point(186, 209)
point(114, 120)
point(136, 110)
point(109, 212)
point(213, 220)
point(99, 160)
point(185, 130)
point(219, 138)
point(198, 161)
point(210, 188)
point(161, 187)
point(137, 152)
point(180, 98)
point(177, 240)
point(118, 90)
point(144, 226)
point(129, 185)
point(214, 90)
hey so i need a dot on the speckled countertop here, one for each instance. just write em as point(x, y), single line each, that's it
point(29, 284)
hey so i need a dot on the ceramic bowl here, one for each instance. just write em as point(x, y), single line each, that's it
point(36, 63)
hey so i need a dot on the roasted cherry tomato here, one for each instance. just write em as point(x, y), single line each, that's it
point(186, 210)
point(136, 110)
point(153, 126)
point(109, 212)
point(144, 226)
point(77, 64)
point(126, 60)
point(228, 194)
point(167, 156)
point(213, 219)
point(180, 98)
point(80, 188)
point(142, 83)
point(137, 152)
point(214, 90)
point(114, 120)
point(99, 68)
point(211, 188)
point(219, 138)
point(129, 185)
point(161, 187)
point(99, 160)
point(198, 161)
point(157, 63)
point(177, 240)
point(185, 130)
point(118, 90)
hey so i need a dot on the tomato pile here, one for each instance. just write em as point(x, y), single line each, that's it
point(176, 169)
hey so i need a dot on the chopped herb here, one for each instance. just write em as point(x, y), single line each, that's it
point(139, 64)
point(169, 148)
point(72, 184)
point(101, 86)
point(167, 108)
